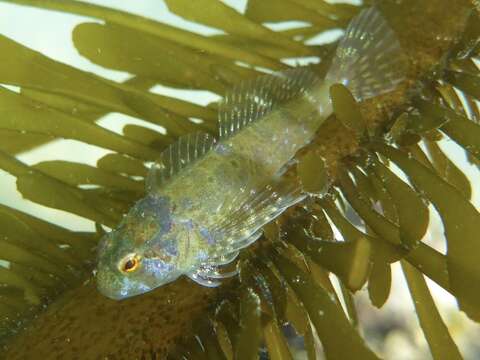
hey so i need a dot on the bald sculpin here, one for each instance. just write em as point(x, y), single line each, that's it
point(207, 199)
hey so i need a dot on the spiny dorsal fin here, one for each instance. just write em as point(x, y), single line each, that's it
point(369, 59)
point(177, 156)
point(251, 100)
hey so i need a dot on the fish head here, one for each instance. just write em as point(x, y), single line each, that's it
point(142, 253)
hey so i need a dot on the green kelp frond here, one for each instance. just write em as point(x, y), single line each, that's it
point(49, 307)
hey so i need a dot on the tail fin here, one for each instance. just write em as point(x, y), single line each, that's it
point(369, 59)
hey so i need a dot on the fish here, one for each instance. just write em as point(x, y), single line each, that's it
point(207, 198)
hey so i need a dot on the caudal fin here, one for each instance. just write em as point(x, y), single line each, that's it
point(369, 59)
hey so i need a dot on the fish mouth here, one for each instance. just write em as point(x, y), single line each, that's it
point(109, 287)
point(113, 295)
point(113, 288)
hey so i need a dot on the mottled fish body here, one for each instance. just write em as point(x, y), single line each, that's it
point(208, 199)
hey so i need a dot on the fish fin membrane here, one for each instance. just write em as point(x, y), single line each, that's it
point(369, 60)
point(177, 156)
point(245, 215)
point(216, 269)
point(223, 259)
point(251, 100)
point(200, 278)
point(215, 272)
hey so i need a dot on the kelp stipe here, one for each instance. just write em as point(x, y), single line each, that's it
point(284, 277)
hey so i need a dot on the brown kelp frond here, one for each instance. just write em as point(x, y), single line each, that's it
point(64, 102)
point(39, 262)
point(285, 284)
point(395, 217)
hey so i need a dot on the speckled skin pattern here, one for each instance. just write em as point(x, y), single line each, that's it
point(171, 229)
point(161, 319)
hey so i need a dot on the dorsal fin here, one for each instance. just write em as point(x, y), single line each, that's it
point(253, 99)
point(177, 156)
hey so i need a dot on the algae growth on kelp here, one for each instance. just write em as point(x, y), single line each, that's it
point(373, 215)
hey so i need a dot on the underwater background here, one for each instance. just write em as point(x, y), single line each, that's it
point(91, 94)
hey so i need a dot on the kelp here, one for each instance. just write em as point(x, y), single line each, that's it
point(439, 340)
point(460, 219)
point(223, 17)
point(49, 307)
point(324, 14)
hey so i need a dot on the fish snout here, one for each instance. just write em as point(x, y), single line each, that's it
point(109, 286)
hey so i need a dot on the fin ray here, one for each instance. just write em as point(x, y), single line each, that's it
point(248, 212)
point(184, 152)
point(369, 59)
point(202, 280)
point(214, 272)
point(223, 259)
point(253, 99)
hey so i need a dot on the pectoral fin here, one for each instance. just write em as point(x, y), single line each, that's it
point(243, 217)
point(202, 280)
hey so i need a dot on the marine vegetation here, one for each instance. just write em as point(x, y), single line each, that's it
point(374, 171)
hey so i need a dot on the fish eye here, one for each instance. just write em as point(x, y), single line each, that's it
point(129, 263)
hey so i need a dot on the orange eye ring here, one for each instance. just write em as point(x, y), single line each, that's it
point(130, 263)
